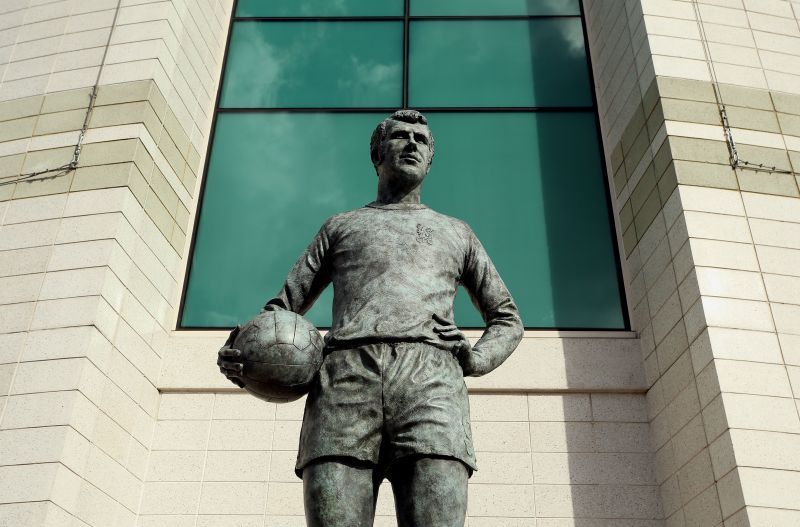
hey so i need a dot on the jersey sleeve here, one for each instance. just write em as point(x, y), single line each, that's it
point(504, 328)
point(309, 276)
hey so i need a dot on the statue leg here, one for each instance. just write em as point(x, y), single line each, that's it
point(430, 492)
point(338, 492)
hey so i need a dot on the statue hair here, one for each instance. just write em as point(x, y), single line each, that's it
point(378, 136)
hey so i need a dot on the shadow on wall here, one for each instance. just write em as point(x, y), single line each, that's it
point(592, 453)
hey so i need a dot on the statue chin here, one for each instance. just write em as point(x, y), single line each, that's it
point(408, 176)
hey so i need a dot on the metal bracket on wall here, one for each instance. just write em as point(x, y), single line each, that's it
point(63, 170)
point(735, 160)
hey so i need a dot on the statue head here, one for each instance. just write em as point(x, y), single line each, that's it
point(402, 147)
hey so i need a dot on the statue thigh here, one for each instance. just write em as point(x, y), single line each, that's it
point(430, 491)
point(340, 492)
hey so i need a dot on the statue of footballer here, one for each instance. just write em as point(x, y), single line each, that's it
point(389, 399)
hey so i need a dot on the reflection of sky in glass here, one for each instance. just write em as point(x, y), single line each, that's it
point(538, 208)
point(529, 184)
point(494, 7)
point(498, 63)
point(247, 8)
point(314, 64)
point(272, 181)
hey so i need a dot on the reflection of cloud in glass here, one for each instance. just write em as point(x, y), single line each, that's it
point(265, 64)
point(572, 34)
point(287, 151)
point(331, 8)
point(367, 78)
point(307, 64)
point(539, 62)
point(273, 179)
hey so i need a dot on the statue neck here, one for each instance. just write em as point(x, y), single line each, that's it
point(393, 193)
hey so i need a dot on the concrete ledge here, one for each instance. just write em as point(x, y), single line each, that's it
point(544, 362)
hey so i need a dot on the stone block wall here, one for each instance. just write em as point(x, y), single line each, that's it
point(709, 247)
point(560, 432)
point(544, 460)
point(91, 258)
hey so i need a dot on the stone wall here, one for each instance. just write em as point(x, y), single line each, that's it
point(90, 259)
point(543, 461)
point(710, 250)
point(560, 433)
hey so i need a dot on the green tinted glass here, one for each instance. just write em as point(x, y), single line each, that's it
point(539, 62)
point(272, 181)
point(532, 188)
point(314, 64)
point(494, 7)
point(302, 8)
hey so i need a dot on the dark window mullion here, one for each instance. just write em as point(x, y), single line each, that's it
point(392, 18)
point(432, 109)
point(318, 19)
point(488, 17)
point(406, 9)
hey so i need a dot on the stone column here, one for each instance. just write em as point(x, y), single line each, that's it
point(91, 251)
point(712, 244)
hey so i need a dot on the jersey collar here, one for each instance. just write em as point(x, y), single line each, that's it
point(397, 206)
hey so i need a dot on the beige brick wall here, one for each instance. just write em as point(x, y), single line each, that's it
point(710, 264)
point(90, 259)
point(560, 432)
point(544, 460)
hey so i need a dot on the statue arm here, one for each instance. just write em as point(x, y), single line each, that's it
point(504, 328)
point(307, 279)
point(309, 276)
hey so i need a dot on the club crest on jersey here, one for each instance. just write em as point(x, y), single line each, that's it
point(424, 234)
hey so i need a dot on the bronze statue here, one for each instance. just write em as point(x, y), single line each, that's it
point(390, 399)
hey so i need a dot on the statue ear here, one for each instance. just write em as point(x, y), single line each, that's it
point(377, 156)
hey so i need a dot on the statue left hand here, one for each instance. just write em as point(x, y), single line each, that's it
point(471, 360)
point(229, 360)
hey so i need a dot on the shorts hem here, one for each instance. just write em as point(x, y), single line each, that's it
point(467, 460)
point(308, 459)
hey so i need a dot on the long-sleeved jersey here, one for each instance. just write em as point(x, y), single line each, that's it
point(393, 266)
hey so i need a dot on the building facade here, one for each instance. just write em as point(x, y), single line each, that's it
point(112, 414)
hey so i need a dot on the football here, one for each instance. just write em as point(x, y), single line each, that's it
point(281, 353)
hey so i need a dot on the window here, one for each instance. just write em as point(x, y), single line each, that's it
point(507, 90)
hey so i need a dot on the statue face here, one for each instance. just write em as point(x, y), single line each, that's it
point(406, 150)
